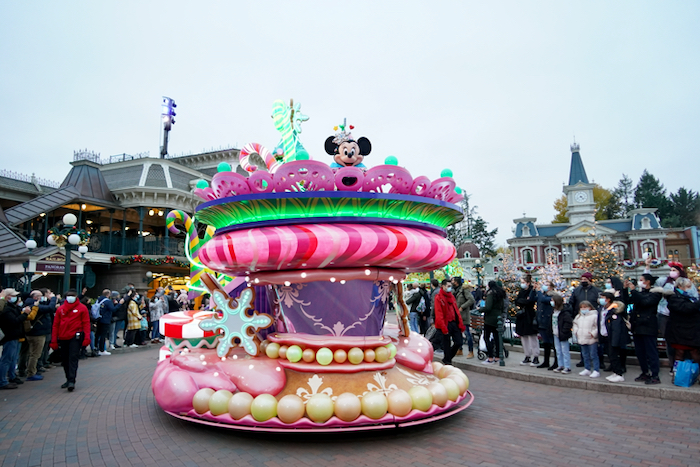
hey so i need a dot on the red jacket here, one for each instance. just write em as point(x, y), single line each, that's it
point(446, 311)
point(70, 319)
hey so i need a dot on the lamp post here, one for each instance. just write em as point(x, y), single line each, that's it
point(30, 244)
point(66, 235)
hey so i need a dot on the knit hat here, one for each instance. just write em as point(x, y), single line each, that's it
point(587, 275)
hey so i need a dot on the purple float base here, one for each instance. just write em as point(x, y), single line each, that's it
point(362, 423)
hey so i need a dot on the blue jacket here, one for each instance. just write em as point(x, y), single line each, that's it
point(106, 310)
point(545, 310)
point(44, 317)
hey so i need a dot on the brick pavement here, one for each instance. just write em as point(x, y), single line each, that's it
point(112, 420)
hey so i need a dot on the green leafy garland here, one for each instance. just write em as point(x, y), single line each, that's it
point(165, 260)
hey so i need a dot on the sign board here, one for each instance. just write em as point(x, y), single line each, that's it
point(55, 267)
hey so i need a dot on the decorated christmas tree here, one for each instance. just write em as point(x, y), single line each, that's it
point(599, 259)
point(509, 275)
point(551, 271)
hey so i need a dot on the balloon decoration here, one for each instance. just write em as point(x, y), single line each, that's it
point(300, 259)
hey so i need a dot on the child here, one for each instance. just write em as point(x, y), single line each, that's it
point(586, 330)
point(561, 327)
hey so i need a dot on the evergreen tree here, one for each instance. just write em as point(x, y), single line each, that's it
point(650, 193)
point(483, 238)
point(685, 209)
point(624, 192)
point(509, 275)
point(551, 271)
point(599, 259)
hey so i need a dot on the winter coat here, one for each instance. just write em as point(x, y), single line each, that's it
point(107, 309)
point(119, 313)
point(44, 317)
point(70, 319)
point(615, 323)
point(525, 321)
point(133, 321)
point(586, 327)
point(465, 302)
point(643, 316)
point(683, 326)
point(580, 294)
point(544, 313)
point(157, 309)
point(446, 311)
point(493, 308)
point(12, 322)
point(565, 324)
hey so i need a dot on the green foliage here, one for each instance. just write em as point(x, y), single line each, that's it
point(685, 209)
point(607, 206)
point(474, 227)
point(624, 193)
point(483, 238)
point(650, 193)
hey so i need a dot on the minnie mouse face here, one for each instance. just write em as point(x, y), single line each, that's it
point(348, 153)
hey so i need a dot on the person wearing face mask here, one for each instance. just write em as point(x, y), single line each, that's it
point(492, 309)
point(585, 291)
point(586, 331)
point(683, 327)
point(614, 285)
point(544, 322)
point(448, 321)
point(676, 271)
point(562, 325)
point(71, 332)
point(618, 336)
point(12, 319)
point(645, 328)
point(133, 322)
point(526, 321)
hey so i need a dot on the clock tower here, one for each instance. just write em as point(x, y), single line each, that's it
point(579, 193)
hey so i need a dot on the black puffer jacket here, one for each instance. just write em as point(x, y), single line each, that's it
point(616, 326)
point(643, 316)
point(683, 325)
point(524, 321)
point(565, 323)
point(11, 323)
point(44, 317)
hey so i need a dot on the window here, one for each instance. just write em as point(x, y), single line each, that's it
point(526, 231)
point(646, 223)
point(527, 255)
point(650, 248)
point(673, 255)
point(620, 251)
point(551, 254)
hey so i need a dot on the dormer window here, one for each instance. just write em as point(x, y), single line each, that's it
point(526, 231)
point(646, 223)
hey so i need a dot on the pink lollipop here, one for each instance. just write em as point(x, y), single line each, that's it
point(255, 148)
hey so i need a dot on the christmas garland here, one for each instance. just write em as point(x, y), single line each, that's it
point(655, 263)
point(165, 260)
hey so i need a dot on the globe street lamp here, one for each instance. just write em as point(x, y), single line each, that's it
point(30, 245)
point(65, 236)
point(478, 268)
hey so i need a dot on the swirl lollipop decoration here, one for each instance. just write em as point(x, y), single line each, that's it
point(197, 269)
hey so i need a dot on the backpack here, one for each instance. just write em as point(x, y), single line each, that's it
point(96, 309)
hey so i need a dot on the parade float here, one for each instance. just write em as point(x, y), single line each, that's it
point(300, 257)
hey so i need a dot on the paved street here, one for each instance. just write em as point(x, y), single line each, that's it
point(112, 420)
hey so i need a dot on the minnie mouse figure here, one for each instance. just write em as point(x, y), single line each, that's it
point(346, 151)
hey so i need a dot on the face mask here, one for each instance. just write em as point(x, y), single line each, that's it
point(545, 288)
point(137, 298)
point(70, 299)
point(608, 286)
point(641, 286)
point(584, 311)
point(551, 302)
point(523, 285)
point(13, 299)
point(674, 274)
point(584, 284)
point(449, 289)
point(601, 301)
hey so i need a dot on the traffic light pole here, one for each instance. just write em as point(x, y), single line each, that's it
point(164, 147)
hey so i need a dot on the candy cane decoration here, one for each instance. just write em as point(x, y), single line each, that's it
point(262, 151)
point(197, 269)
point(281, 115)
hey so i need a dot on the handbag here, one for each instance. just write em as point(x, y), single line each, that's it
point(686, 374)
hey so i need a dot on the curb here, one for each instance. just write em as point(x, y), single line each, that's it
point(673, 394)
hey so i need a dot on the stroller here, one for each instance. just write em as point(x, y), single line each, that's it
point(477, 330)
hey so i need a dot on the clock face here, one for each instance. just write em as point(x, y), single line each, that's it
point(581, 196)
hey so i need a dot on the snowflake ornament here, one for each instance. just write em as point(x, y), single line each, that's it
point(236, 327)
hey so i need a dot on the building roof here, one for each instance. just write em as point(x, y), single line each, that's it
point(11, 244)
point(85, 176)
point(577, 173)
point(3, 218)
point(470, 248)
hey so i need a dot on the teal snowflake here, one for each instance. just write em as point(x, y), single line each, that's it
point(235, 326)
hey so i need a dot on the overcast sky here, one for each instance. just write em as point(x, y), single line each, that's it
point(493, 90)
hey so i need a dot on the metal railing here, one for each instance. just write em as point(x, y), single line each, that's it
point(29, 178)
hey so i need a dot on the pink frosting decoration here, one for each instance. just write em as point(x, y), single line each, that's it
point(229, 184)
point(415, 352)
point(353, 175)
point(388, 179)
point(207, 194)
point(315, 246)
point(304, 176)
point(420, 186)
point(261, 182)
point(444, 189)
point(255, 375)
point(173, 388)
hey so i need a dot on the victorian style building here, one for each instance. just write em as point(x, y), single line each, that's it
point(639, 233)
